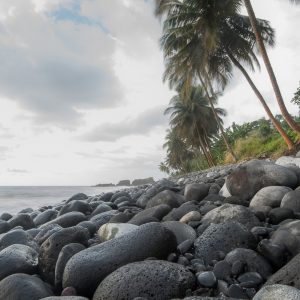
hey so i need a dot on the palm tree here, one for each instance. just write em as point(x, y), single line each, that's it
point(187, 55)
point(193, 120)
point(269, 67)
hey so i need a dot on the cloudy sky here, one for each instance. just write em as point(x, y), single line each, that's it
point(81, 96)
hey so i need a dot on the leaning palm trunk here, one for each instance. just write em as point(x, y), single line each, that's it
point(263, 102)
point(208, 147)
point(229, 148)
point(291, 122)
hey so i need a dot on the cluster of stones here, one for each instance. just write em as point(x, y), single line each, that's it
point(230, 233)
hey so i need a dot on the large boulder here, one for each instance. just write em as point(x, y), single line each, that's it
point(113, 230)
point(4, 226)
point(278, 292)
point(166, 197)
point(292, 201)
point(16, 236)
point(67, 220)
point(288, 235)
point(103, 218)
point(288, 160)
point(86, 269)
point(23, 286)
point(196, 191)
point(18, 259)
point(231, 212)
point(45, 216)
point(79, 196)
point(288, 274)
point(246, 180)
point(51, 248)
point(23, 220)
point(157, 212)
point(157, 280)
point(65, 298)
point(75, 205)
point(269, 196)
point(222, 237)
point(177, 213)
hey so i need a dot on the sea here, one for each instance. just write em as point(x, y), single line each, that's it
point(15, 198)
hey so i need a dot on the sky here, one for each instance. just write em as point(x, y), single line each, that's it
point(81, 92)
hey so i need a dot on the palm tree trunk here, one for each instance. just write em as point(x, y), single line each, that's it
point(291, 122)
point(262, 101)
point(206, 141)
point(229, 148)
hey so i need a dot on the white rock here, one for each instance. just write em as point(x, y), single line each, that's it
point(278, 292)
point(286, 160)
point(112, 230)
point(224, 191)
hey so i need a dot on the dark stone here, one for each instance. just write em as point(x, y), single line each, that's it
point(253, 261)
point(185, 246)
point(235, 291)
point(67, 220)
point(4, 227)
point(6, 216)
point(207, 279)
point(177, 213)
point(122, 217)
point(196, 191)
point(280, 214)
point(79, 196)
point(75, 206)
point(252, 277)
point(106, 197)
point(237, 267)
point(181, 231)
point(45, 216)
point(158, 280)
point(103, 218)
point(18, 259)
point(23, 286)
point(236, 201)
point(222, 237)
point(86, 269)
point(118, 195)
point(157, 212)
point(16, 236)
point(65, 254)
point(246, 180)
point(222, 270)
point(51, 248)
point(291, 201)
point(166, 197)
point(90, 226)
point(23, 220)
point(47, 231)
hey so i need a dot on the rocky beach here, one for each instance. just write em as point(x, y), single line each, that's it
point(231, 232)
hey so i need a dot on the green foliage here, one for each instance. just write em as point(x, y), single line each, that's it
point(296, 99)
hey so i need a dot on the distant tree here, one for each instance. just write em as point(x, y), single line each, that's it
point(296, 98)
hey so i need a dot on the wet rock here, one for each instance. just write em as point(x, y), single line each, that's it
point(112, 230)
point(253, 279)
point(278, 292)
point(185, 246)
point(270, 196)
point(196, 191)
point(51, 248)
point(166, 197)
point(230, 212)
point(158, 280)
point(222, 269)
point(222, 237)
point(75, 205)
point(237, 292)
point(18, 259)
point(86, 269)
point(181, 231)
point(157, 212)
point(67, 220)
point(246, 180)
point(65, 254)
point(23, 286)
point(207, 279)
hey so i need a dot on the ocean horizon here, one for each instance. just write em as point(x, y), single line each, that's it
point(15, 198)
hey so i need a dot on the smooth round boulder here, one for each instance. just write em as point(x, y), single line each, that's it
point(100, 209)
point(251, 259)
point(269, 196)
point(157, 212)
point(86, 269)
point(16, 236)
point(181, 231)
point(113, 230)
point(45, 232)
point(4, 226)
point(64, 255)
point(191, 216)
point(278, 292)
point(79, 196)
point(75, 205)
point(222, 237)
point(18, 259)
point(67, 220)
point(230, 212)
point(6, 216)
point(177, 213)
point(288, 235)
point(196, 191)
point(65, 298)
point(45, 217)
point(291, 201)
point(23, 220)
point(247, 179)
point(167, 197)
point(279, 214)
point(51, 248)
point(23, 286)
point(103, 218)
point(157, 280)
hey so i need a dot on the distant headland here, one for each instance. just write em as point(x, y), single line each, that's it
point(126, 182)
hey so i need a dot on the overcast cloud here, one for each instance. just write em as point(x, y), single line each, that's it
point(81, 94)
